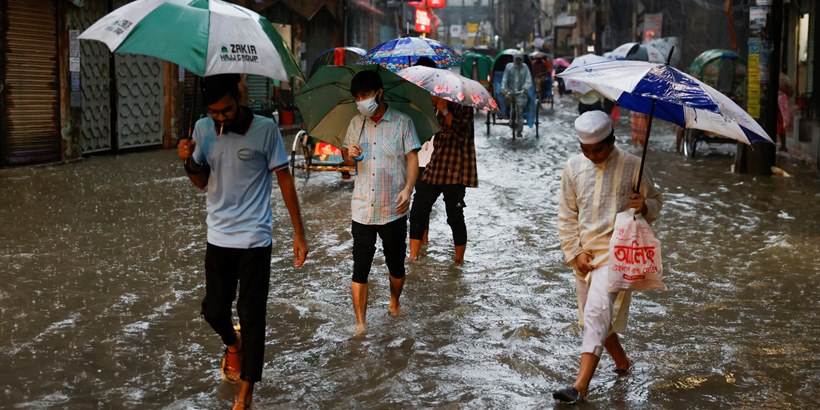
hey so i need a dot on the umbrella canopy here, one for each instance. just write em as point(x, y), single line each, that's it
point(538, 54)
point(507, 56)
point(205, 37)
point(403, 52)
point(638, 51)
point(327, 106)
point(666, 92)
point(679, 98)
point(576, 85)
point(477, 66)
point(450, 86)
point(338, 56)
point(665, 45)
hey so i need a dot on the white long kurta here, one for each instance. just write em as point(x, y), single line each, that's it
point(591, 195)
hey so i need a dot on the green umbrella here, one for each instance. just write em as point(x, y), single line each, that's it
point(206, 37)
point(327, 106)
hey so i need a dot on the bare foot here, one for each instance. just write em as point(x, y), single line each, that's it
point(360, 330)
point(395, 309)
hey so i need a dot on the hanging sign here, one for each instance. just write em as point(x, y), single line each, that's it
point(422, 20)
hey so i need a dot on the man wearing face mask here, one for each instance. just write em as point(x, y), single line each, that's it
point(383, 143)
point(516, 82)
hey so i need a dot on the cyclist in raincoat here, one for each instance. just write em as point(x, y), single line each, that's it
point(515, 84)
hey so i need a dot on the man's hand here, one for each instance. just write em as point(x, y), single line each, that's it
point(185, 149)
point(637, 201)
point(300, 250)
point(403, 201)
point(354, 151)
point(583, 262)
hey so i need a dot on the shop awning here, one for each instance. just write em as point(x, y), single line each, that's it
point(365, 5)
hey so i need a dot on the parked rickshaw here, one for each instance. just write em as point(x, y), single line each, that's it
point(311, 154)
point(725, 71)
point(532, 109)
point(478, 67)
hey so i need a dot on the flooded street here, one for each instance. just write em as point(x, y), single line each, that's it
point(102, 276)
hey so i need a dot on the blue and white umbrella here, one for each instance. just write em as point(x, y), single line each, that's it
point(580, 61)
point(667, 93)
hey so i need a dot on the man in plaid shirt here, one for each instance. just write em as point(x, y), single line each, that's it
point(452, 168)
point(383, 142)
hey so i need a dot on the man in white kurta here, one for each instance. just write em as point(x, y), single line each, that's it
point(595, 186)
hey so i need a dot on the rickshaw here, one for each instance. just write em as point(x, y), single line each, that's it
point(310, 154)
point(724, 71)
point(499, 63)
point(477, 66)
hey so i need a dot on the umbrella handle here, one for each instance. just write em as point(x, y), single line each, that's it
point(645, 146)
point(193, 107)
point(669, 56)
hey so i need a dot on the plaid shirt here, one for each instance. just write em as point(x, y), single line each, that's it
point(453, 160)
point(383, 170)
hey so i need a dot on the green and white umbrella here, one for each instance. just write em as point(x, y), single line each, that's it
point(206, 37)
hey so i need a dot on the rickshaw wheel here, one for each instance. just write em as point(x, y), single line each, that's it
point(512, 112)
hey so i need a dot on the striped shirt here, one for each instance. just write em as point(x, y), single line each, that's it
point(453, 160)
point(383, 170)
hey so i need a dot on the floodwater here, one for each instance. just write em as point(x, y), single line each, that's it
point(101, 279)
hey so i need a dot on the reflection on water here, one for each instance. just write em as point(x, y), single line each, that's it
point(101, 278)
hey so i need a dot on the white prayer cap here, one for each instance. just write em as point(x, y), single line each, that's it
point(593, 127)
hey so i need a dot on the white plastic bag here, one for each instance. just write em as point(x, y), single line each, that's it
point(426, 153)
point(634, 255)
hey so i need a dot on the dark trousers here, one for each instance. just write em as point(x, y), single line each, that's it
point(423, 200)
point(394, 243)
point(225, 268)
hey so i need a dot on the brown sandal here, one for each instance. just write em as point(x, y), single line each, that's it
point(232, 366)
point(241, 405)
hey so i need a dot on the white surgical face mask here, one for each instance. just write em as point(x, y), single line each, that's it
point(367, 107)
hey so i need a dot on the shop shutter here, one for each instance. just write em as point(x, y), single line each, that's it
point(258, 93)
point(31, 96)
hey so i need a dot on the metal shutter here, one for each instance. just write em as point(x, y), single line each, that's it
point(31, 96)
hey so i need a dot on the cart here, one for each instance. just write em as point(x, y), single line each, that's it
point(499, 63)
point(724, 71)
point(311, 155)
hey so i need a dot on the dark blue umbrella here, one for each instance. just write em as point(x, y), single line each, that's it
point(403, 52)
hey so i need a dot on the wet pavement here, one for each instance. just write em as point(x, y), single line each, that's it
point(101, 278)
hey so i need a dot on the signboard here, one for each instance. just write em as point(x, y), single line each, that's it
point(753, 86)
point(652, 26)
point(422, 20)
point(436, 4)
point(456, 31)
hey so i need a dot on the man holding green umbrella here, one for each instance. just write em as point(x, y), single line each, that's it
point(233, 156)
point(383, 141)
